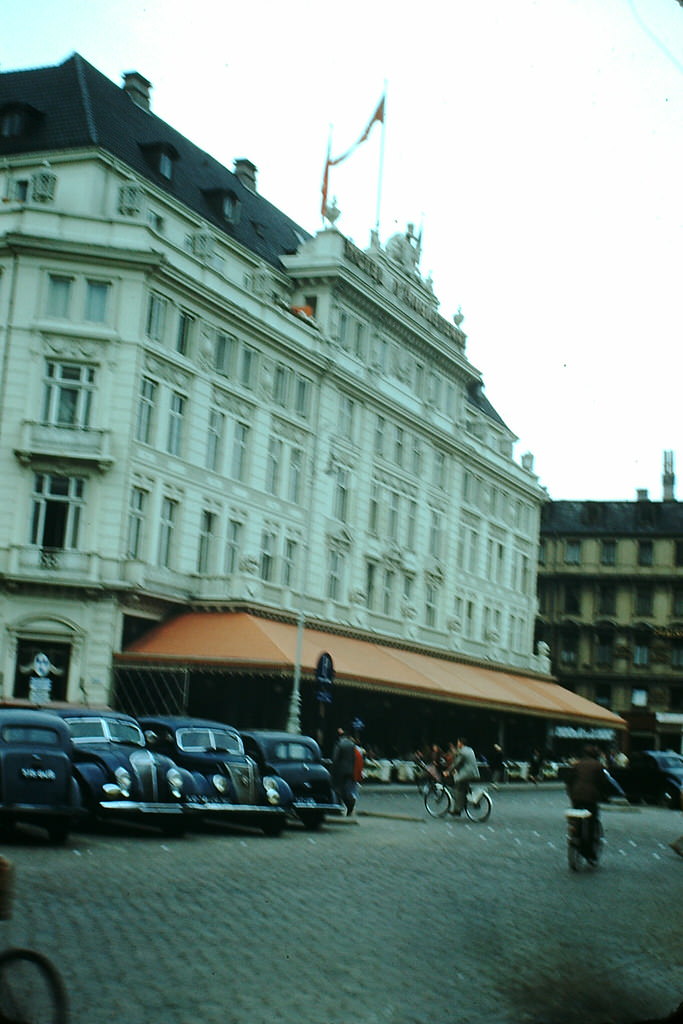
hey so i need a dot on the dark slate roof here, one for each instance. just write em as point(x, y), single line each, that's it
point(613, 518)
point(73, 105)
point(476, 396)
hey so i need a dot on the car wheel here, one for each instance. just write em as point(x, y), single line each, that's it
point(312, 819)
point(273, 827)
point(58, 832)
point(174, 828)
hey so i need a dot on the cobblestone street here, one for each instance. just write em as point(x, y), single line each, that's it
point(393, 918)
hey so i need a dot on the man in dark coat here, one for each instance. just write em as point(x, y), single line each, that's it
point(343, 764)
point(587, 785)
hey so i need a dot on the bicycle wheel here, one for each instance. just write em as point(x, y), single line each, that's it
point(437, 800)
point(478, 806)
point(573, 855)
point(31, 990)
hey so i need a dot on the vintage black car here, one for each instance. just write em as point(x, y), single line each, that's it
point(296, 759)
point(120, 778)
point(653, 776)
point(37, 784)
point(228, 784)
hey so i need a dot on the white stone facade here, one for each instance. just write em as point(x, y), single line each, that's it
point(184, 426)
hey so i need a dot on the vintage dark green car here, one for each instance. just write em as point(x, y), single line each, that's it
point(37, 783)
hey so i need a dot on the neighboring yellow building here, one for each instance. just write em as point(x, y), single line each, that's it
point(610, 587)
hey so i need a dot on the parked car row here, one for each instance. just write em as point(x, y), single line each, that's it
point(65, 764)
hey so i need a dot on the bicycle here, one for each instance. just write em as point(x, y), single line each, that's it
point(585, 838)
point(31, 989)
point(439, 800)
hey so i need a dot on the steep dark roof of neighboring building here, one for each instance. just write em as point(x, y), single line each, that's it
point(73, 105)
point(613, 518)
point(475, 395)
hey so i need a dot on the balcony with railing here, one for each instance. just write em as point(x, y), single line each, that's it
point(80, 444)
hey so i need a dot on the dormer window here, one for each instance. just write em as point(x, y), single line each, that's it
point(16, 119)
point(224, 204)
point(161, 156)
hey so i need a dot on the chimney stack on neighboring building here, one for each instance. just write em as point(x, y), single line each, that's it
point(668, 477)
point(245, 172)
point(137, 87)
point(642, 494)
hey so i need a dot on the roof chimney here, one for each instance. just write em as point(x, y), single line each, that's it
point(642, 495)
point(668, 477)
point(137, 87)
point(245, 172)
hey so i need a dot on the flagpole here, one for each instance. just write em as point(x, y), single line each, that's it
point(381, 163)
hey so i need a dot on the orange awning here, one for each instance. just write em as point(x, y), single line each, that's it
point(242, 642)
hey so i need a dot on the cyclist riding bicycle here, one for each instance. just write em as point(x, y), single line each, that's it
point(588, 784)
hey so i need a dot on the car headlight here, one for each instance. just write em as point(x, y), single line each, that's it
point(175, 782)
point(272, 790)
point(123, 781)
point(220, 783)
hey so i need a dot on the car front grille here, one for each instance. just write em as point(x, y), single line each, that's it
point(147, 774)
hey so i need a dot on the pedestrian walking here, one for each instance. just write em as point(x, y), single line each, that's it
point(535, 766)
point(344, 770)
point(497, 764)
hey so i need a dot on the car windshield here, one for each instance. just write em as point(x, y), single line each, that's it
point(671, 763)
point(209, 739)
point(105, 730)
point(290, 750)
point(36, 736)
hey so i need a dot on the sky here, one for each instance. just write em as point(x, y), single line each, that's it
point(536, 143)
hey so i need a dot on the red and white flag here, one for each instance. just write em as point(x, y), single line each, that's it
point(377, 116)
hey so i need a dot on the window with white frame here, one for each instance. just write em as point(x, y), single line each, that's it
point(435, 533)
point(439, 467)
point(145, 414)
point(176, 411)
point(282, 378)
point(399, 445)
point(393, 509)
point(341, 493)
point(183, 334)
point(273, 465)
point(267, 560)
point(335, 574)
point(137, 510)
point(359, 340)
point(388, 589)
point(238, 462)
point(57, 505)
point(431, 603)
point(59, 290)
point(248, 361)
point(347, 409)
point(370, 584)
point(290, 553)
point(416, 457)
point(167, 525)
point(296, 474)
point(302, 396)
point(373, 508)
point(207, 528)
point(156, 317)
point(214, 439)
point(97, 301)
point(343, 329)
point(411, 523)
point(224, 353)
point(380, 426)
point(419, 379)
point(232, 546)
point(67, 394)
